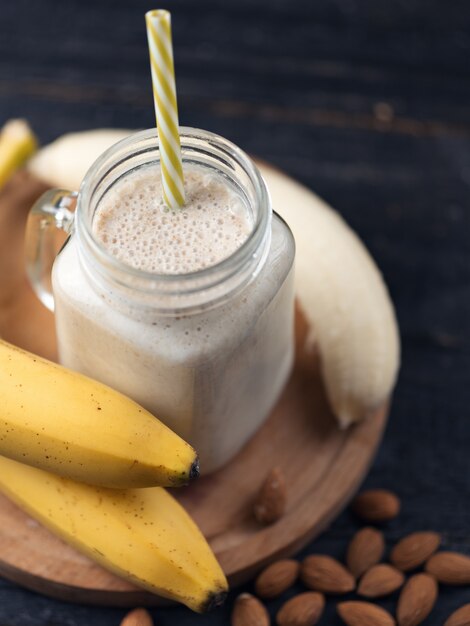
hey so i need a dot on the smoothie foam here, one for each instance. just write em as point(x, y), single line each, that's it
point(135, 226)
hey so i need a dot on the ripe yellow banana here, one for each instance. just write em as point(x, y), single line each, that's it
point(17, 143)
point(338, 285)
point(142, 535)
point(64, 422)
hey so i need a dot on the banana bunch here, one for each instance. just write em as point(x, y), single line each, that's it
point(338, 286)
point(142, 535)
point(58, 420)
point(63, 422)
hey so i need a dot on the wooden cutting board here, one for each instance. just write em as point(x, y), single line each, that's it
point(323, 465)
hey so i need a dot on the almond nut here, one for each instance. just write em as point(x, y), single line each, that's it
point(137, 617)
point(380, 580)
point(365, 550)
point(249, 611)
point(323, 573)
point(413, 550)
point(416, 600)
point(356, 613)
point(302, 610)
point(376, 505)
point(460, 617)
point(450, 568)
point(276, 578)
point(271, 502)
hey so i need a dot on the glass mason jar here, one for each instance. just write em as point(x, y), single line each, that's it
point(207, 352)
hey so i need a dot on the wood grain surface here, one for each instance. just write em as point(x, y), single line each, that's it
point(322, 464)
point(364, 101)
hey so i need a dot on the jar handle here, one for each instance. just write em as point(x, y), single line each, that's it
point(52, 211)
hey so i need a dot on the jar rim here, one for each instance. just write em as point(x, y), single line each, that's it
point(222, 267)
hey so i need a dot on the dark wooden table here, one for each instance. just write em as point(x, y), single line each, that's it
point(365, 101)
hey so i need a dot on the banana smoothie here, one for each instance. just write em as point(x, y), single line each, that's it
point(211, 371)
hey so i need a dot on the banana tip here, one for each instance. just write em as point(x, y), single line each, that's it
point(214, 600)
point(194, 471)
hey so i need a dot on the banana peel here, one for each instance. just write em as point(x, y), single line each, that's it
point(64, 422)
point(142, 535)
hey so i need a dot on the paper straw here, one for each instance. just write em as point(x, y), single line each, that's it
point(166, 108)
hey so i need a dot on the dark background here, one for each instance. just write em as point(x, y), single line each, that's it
point(367, 103)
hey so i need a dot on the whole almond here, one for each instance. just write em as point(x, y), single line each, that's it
point(357, 613)
point(365, 549)
point(460, 617)
point(249, 611)
point(323, 573)
point(137, 617)
point(276, 578)
point(413, 550)
point(302, 610)
point(450, 568)
point(416, 600)
point(271, 501)
point(381, 580)
point(376, 505)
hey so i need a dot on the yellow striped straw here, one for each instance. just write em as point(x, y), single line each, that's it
point(166, 108)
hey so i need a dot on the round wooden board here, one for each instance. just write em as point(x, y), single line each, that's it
point(322, 464)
